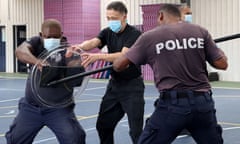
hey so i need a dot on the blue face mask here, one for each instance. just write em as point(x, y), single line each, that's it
point(188, 18)
point(115, 25)
point(51, 43)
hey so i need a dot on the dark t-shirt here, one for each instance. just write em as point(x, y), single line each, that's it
point(37, 45)
point(31, 95)
point(177, 54)
point(115, 42)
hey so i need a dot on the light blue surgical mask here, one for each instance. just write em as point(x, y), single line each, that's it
point(188, 18)
point(51, 43)
point(115, 25)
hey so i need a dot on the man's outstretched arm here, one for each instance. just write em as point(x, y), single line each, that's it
point(221, 63)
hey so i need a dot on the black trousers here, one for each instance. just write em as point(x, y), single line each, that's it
point(194, 111)
point(31, 119)
point(121, 97)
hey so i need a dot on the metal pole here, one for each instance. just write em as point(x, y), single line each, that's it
point(222, 39)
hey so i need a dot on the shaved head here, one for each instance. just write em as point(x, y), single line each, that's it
point(51, 28)
point(171, 9)
point(51, 23)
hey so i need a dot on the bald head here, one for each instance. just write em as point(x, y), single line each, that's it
point(51, 23)
point(51, 28)
point(171, 9)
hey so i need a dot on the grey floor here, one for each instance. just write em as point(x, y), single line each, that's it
point(11, 89)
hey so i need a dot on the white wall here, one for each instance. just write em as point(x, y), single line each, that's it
point(221, 18)
point(19, 12)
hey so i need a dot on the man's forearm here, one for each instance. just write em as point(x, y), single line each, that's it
point(26, 58)
point(24, 54)
point(110, 57)
point(89, 44)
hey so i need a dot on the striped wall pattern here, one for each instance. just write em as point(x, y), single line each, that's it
point(79, 18)
point(19, 12)
point(221, 18)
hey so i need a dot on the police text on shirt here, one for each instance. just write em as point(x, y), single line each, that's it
point(184, 43)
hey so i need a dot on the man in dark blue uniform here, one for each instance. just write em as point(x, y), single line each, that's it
point(125, 89)
point(178, 59)
point(33, 116)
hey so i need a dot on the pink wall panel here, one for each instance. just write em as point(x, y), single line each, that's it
point(81, 21)
point(150, 14)
point(80, 18)
point(147, 73)
point(73, 22)
point(53, 9)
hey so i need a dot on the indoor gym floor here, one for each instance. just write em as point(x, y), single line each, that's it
point(226, 96)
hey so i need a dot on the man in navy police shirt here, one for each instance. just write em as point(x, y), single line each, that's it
point(177, 52)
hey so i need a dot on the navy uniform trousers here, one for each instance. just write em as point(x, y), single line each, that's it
point(121, 97)
point(31, 119)
point(176, 111)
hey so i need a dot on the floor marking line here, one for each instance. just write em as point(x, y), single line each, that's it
point(8, 116)
point(93, 95)
point(95, 88)
point(44, 140)
point(92, 100)
point(231, 124)
point(8, 100)
point(8, 107)
point(231, 128)
point(7, 89)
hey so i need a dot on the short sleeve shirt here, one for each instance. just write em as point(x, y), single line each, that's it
point(37, 45)
point(115, 42)
point(177, 53)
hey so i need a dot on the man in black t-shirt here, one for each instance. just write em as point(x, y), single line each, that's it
point(33, 116)
point(178, 59)
point(125, 89)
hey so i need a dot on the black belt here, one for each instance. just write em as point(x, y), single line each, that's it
point(182, 94)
